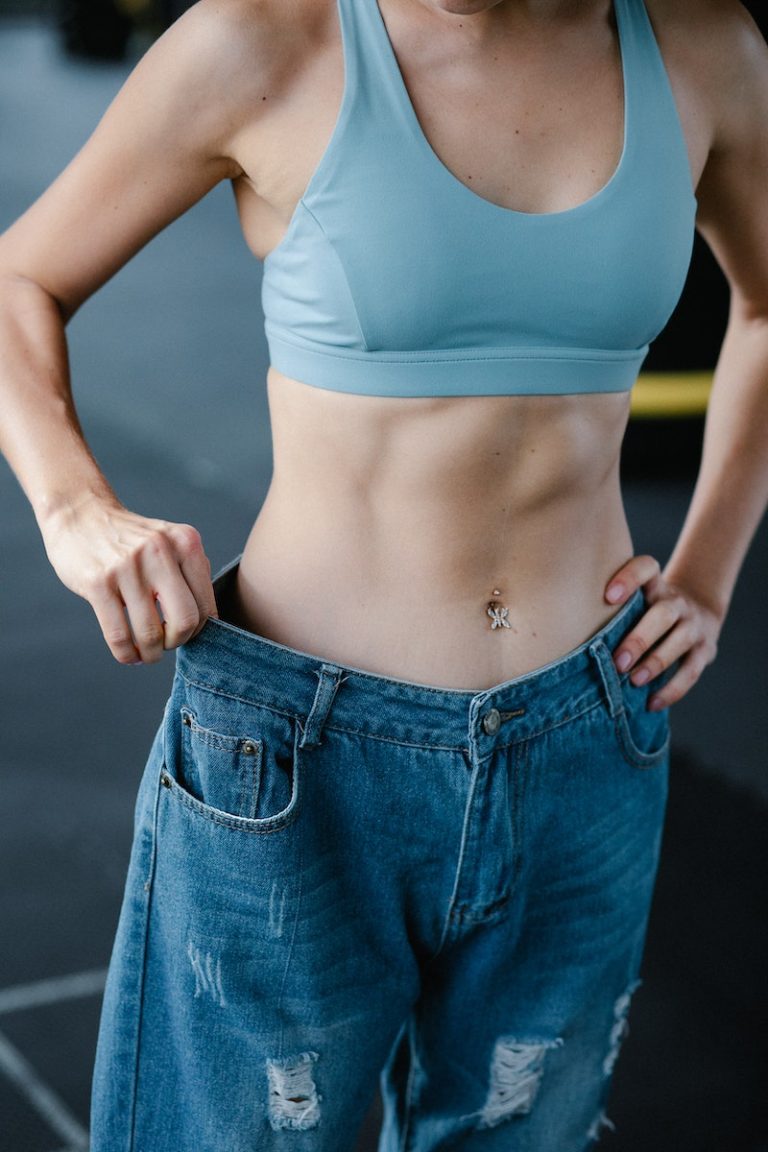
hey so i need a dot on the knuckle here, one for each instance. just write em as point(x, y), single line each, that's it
point(181, 632)
point(150, 636)
point(98, 582)
point(649, 562)
point(681, 606)
point(637, 644)
point(654, 663)
point(669, 610)
point(118, 641)
point(157, 545)
point(187, 624)
point(127, 565)
point(188, 538)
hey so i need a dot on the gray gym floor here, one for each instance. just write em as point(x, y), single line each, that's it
point(168, 363)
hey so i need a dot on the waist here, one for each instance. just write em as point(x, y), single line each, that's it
point(224, 657)
point(462, 602)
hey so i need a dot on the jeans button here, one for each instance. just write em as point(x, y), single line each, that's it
point(491, 721)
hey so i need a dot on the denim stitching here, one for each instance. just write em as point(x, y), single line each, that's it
point(232, 822)
point(241, 823)
point(408, 1088)
point(636, 756)
point(148, 889)
point(519, 788)
point(388, 739)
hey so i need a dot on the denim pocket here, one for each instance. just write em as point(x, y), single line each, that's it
point(235, 765)
point(221, 769)
point(644, 736)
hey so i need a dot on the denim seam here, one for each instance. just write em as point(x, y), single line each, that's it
point(245, 824)
point(408, 1088)
point(239, 699)
point(520, 771)
point(388, 739)
point(541, 731)
point(449, 918)
point(149, 890)
point(230, 823)
point(299, 896)
point(636, 757)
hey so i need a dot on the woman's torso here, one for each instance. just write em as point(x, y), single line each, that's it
point(390, 522)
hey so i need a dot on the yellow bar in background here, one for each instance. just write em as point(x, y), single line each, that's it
point(664, 394)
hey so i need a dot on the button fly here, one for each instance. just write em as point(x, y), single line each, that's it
point(492, 721)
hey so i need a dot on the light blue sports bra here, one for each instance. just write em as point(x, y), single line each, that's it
point(396, 279)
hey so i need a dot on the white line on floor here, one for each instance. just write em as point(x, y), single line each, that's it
point(45, 1101)
point(52, 990)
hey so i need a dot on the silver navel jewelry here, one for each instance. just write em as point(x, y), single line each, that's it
point(498, 615)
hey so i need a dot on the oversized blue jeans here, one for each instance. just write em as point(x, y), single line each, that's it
point(340, 879)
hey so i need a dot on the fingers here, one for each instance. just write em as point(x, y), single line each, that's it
point(157, 596)
point(110, 613)
point(196, 570)
point(652, 625)
point(172, 577)
point(672, 629)
point(638, 570)
point(144, 575)
point(691, 667)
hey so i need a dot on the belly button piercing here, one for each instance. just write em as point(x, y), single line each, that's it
point(497, 613)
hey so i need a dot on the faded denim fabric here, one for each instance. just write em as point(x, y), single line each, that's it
point(340, 879)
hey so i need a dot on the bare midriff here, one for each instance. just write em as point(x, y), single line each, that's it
point(391, 523)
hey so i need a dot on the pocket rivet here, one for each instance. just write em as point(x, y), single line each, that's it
point(249, 747)
point(186, 718)
point(165, 779)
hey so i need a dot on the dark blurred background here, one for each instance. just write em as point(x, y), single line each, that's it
point(168, 365)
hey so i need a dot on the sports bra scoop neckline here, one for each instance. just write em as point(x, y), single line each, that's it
point(394, 277)
point(421, 136)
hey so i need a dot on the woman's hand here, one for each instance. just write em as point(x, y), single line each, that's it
point(124, 564)
point(677, 626)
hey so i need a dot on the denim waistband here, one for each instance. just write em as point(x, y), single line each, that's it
point(327, 693)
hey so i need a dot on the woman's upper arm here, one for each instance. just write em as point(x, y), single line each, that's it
point(733, 189)
point(162, 143)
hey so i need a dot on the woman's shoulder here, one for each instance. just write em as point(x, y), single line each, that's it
point(718, 56)
point(717, 39)
point(228, 63)
point(252, 38)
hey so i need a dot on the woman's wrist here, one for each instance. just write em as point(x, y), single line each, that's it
point(713, 595)
point(58, 507)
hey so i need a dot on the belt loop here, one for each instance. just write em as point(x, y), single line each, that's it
point(330, 677)
point(609, 676)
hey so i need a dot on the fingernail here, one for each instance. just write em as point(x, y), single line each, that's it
point(615, 591)
point(132, 662)
point(623, 661)
point(641, 676)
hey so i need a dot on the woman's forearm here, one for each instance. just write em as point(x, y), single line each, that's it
point(731, 491)
point(40, 434)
